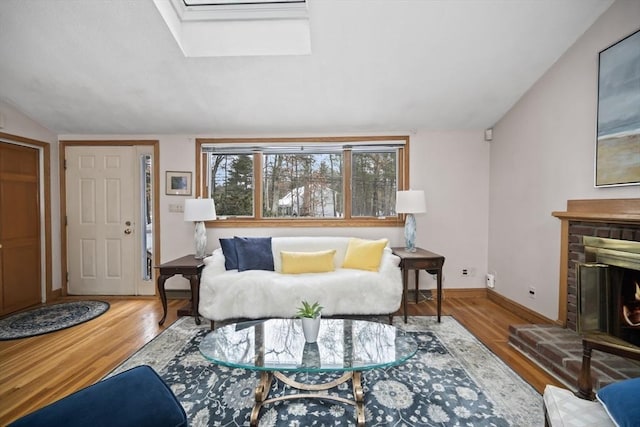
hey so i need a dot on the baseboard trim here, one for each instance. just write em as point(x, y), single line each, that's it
point(522, 311)
point(171, 294)
point(178, 294)
point(464, 293)
point(54, 295)
point(449, 293)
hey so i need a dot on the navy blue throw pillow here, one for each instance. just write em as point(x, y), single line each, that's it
point(230, 254)
point(620, 400)
point(254, 253)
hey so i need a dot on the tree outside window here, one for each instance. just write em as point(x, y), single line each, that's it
point(232, 184)
point(302, 185)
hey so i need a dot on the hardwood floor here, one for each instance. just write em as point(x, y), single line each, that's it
point(39, 370)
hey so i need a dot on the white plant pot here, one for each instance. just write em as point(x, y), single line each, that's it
point(310, 327)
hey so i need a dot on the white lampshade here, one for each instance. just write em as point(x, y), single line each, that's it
point(410, 201)
point(199, 210)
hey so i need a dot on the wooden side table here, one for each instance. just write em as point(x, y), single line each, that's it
point(421, 259)
point(190, 268)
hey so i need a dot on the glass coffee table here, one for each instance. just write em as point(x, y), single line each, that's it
point(277, 348)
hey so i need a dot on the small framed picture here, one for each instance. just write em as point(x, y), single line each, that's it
point(178, 183)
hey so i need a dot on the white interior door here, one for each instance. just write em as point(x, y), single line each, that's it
point(101, 220)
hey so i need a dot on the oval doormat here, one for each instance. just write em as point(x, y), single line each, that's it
point(50, 318)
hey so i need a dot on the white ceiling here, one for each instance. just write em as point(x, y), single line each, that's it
point(113, 67)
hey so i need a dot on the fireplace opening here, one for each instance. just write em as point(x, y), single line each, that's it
point(629, 307)
point(609, 288)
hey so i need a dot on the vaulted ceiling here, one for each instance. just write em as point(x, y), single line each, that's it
point(113, 67)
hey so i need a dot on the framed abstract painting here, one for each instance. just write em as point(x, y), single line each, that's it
point(618, 133)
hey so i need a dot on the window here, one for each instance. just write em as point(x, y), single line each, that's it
point(211, 28)
point(231, 185)
point(302, 185)
point(373, 182)
point(237, 2)
point(304, 181)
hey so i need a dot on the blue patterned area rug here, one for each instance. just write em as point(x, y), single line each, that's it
point(50, 318)
point(453, 380)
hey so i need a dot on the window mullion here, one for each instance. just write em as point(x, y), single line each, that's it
point(257, 185)
point(205, 167)
point(403, 168)
point(346, 155)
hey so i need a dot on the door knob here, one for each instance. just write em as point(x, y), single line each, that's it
point(127, 231)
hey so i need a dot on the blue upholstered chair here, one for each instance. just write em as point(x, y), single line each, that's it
point(137, 397)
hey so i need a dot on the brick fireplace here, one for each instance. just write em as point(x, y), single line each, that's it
point(558, 348)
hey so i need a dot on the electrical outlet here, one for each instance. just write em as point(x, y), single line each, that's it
point(468, 272)
point(532, 292)
point(491, 280)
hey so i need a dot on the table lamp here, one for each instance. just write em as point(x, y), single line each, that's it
point(200, 210)
point(410, 202)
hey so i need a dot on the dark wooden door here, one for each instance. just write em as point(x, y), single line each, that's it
point(20, 264)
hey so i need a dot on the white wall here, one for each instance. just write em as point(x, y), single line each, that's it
point(17, 124)
point(452, 168)
point(542, 155)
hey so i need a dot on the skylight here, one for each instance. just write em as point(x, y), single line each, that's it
point(238, 27)
point(235, 2)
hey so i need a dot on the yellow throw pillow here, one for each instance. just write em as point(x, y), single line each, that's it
point(307, 262)
point(364, 254)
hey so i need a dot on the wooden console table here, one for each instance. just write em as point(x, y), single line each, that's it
point(190, 268)
point(419, 260)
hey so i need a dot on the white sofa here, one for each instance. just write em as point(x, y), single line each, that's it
point(253, 294)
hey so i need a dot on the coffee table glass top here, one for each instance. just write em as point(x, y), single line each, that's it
point(279, 345)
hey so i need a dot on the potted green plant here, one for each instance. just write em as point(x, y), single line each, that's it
point(310, 315)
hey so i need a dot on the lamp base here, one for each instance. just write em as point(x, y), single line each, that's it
point(410, 233)
point(200, 240)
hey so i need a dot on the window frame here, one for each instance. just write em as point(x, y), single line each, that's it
point(258, 221)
